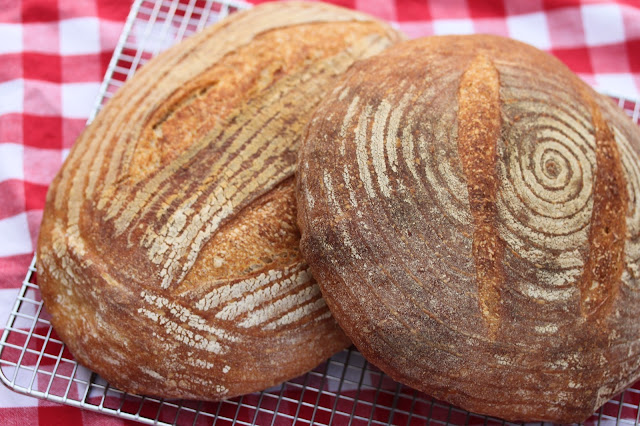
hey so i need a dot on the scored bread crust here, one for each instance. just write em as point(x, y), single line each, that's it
point(471, 212)
point(168, 252)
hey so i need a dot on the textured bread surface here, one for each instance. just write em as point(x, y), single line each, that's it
point(471, 212)
point(168, 254)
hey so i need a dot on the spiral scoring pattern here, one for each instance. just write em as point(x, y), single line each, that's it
point(498, 268)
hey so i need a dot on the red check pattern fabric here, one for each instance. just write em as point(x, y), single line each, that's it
point(54, 53)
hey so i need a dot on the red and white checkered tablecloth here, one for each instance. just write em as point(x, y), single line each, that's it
point(53, 54)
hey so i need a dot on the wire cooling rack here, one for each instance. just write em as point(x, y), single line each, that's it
point(344, 390)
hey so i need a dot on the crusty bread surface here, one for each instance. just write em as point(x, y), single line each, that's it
point(471, 212)
point(168, 253)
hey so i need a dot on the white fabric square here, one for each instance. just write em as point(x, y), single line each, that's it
point(452, 26)
point(154, 37)
point(11, 96)
point(27, 309)
point(530, 28)
point(7, 300)
point(617, 84)
point(11, 36)
point(602, 24)
point(83, 375)
point(11, 156)
point(11, 399)
point(79, 36)
point(78, 99)
point(16, 238)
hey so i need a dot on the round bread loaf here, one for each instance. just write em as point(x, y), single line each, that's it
point(471, 211)
point(168, 253)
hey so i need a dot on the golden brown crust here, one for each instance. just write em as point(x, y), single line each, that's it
point(471, 211)
point(478, 131)
point(168, 251)
point(600, 282)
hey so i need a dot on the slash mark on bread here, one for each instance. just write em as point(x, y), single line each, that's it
point(600, 281)
point(479, 125)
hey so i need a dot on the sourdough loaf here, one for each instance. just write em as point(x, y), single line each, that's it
point(471, 211)
point(168, 253)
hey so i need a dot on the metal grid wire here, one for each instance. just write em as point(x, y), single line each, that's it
point(344, 390)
